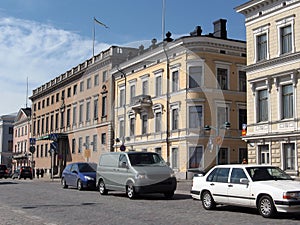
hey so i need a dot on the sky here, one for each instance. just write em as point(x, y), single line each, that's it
point(41, 39)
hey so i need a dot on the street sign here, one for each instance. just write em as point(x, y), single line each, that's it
point(32, 141)
point(53, 137)
point(87, 153)
point(53, 146)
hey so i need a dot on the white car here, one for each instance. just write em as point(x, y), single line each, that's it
point(267, 188)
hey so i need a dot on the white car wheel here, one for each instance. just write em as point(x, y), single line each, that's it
point(266, 207)
point(208, 201)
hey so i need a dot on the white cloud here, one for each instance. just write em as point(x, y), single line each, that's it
point(39, 52)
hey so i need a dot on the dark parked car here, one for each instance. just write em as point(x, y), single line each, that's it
point(25, 172)
point(80, 175)
point(4, 172)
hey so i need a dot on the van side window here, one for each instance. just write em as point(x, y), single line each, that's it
point(122, 161)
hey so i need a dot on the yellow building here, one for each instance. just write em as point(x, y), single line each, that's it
point(71, 114)
point(273, 65)
point(166, 95)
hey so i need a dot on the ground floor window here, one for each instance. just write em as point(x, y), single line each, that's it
point(243, 154)
point(223, 156)
point(289, 156)
point(195, 157)
point(174, 158)
point(264, 154)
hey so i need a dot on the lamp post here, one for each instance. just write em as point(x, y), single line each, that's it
point(218, 138)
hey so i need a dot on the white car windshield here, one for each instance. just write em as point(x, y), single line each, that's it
point(267, 173)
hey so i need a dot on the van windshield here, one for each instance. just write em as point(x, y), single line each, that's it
point(142, 159)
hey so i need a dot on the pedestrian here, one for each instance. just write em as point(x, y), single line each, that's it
point(42, 172)
point(37, 173)
point(244, 161)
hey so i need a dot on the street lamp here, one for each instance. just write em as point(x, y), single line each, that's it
point(218, 138)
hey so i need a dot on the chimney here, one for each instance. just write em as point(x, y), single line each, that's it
point(220, 28)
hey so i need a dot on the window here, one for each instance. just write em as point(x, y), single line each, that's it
point(104, 100)
point(74, 114)
point(222, 76)
point(242, 81)
point(122, 97)
point(262, 105)
point(57, 97)
point(220, 175)
point(68, 117)
point(264, 154)
point(243, 154)
point(51, 122)
point(261, 44)
point(289, 156)
point(69, 92)
point(46, 150)
point(195, 116)
point(286, 39)
point(48, 101)
point(88, 111)
point(144, 124)
point(103, 138)
point(236, 175)
point(75, 89)
point(175, 81)
point(87, 142)
point(223, 156)
point(95, 108)
point(80, 145)
point(62, 119)
point(145, 87)
point(52, 100)
point(195, 157)
point(175, 116)
point(95, 139)
point(96, 80)
point(174, 158)
point(42, 150)
point(56, 121)
point(81, 113)
point(104, 76)
point(158, 84)
point(132, 92)
point(62, 94)
point(47, 125)
point(287, 101)
point(195, 76)
point(158, 122)
point(88, 83)
point(121, 128)
point(132, 126)
point(37, 151)
point(73, 145)
point(242, 118)
point(81, 86)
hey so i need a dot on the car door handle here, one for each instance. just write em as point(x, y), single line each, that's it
point(230, 185)
point(212, 184)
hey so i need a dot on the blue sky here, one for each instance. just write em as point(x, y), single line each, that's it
point(41, 39)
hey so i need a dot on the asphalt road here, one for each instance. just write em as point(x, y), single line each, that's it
point(38, 202)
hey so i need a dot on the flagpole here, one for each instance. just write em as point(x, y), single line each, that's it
point(94, 37)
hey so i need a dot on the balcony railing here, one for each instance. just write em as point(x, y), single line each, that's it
point(141, 102)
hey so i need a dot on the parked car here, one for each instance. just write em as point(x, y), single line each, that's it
point(267, 188)
point(4, 172)
point(25, 172)
point(135, 173)
point(80, 175)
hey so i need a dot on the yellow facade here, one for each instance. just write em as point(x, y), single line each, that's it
point(171, 121)
point(273, 129)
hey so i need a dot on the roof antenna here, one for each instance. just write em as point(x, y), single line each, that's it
point(26, 92)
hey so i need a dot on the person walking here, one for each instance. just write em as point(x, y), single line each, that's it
point(37, 173)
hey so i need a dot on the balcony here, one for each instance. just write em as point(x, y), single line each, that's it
point(141, 102)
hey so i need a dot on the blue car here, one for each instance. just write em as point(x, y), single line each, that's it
point(81, 175)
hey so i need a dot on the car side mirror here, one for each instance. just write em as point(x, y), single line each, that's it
point(124, 165)
point(244, 181)
point(74, 171)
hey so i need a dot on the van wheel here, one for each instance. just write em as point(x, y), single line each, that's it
point(102, 189)
point(130, 191)
point(79, 185)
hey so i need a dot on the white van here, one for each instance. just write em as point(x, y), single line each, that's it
point(135, 173)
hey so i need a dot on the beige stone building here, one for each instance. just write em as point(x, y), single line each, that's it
point(166, 95)
point(273, 97)
point(21, 139)
point(71, 114)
